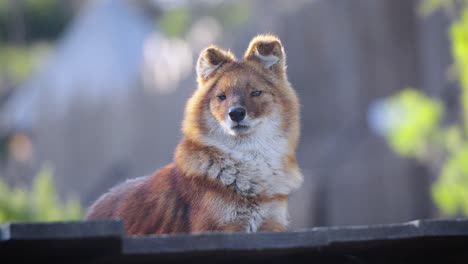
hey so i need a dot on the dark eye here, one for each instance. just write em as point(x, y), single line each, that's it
point(222, 97)
point(256, 93)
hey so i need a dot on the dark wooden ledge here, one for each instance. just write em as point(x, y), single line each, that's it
point(444, 241)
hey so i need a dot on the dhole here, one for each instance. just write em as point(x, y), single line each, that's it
point(235, 166)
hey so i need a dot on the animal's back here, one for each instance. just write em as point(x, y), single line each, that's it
point(150, 204)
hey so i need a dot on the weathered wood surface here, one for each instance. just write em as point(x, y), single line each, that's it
point(104, 242)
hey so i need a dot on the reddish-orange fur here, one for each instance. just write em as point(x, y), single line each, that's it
point(207, 188)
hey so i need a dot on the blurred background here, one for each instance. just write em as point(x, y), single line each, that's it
point(92, 93)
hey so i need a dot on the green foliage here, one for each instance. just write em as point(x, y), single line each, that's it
point(234, 13)
point(20, 62)
point(175, 22)
point(38, 204)
point(34, 22)
point(417, 118)
point(42, 19)
point(451, 189)
point(421, 135)
point(459, 37)
point(429, 6)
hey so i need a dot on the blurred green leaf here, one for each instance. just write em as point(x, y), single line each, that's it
point(41, 203)
point(453, 138)
point(459, 38)
point(19, 62)
point(427, 7)
point(451, 189)
point(418, 117)
point(175, 22)
point(234, 13)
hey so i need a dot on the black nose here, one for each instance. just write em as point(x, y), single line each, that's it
point(237, 114)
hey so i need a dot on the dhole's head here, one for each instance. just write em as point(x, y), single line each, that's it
point(237, 98)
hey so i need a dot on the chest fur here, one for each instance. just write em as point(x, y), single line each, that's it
point(250, 217)
point(262, 153)
point(262, 166)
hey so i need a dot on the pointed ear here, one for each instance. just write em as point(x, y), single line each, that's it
point(267, 51)
point(210, 60)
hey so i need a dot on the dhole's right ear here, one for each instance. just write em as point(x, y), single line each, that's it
point(210, 60)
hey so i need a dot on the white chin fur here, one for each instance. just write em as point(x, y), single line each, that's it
point(228, 125)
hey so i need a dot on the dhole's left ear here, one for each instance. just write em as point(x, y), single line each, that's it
point(268, 51)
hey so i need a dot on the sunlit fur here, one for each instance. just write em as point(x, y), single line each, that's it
point(226, 176)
